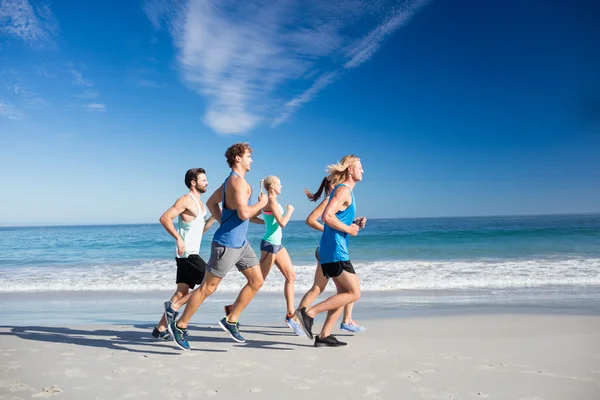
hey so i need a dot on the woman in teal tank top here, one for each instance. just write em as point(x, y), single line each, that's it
point(272, 250)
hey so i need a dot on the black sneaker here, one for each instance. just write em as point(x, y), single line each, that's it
point(164, 335)
point(305, 321)
point(329, 341)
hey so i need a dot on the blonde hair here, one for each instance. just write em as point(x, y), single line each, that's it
point(338, 173)
point(269, 181)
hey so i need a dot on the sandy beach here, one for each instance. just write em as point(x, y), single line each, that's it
point(504, 356)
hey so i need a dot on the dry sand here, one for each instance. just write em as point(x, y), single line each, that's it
point(539, 357)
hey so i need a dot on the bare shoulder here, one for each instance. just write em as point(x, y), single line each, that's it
point(183, 201)
point(342, 191)
point(240, 185)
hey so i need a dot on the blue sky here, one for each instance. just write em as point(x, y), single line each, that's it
point(463, 108)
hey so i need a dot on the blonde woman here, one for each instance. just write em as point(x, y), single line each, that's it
point(340, 221)
point(320, 282)
point(272, 250)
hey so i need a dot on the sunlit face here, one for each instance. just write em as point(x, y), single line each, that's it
point(246, 160)
point(276, 186)
point(201, 183)
point(356, 171)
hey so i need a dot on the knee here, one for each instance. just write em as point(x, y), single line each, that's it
point(355, 295)
point(291, 276)
point(317, 289)
point(256, 283)
point(208, 288)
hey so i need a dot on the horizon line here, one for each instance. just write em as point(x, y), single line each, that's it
point(299, 220)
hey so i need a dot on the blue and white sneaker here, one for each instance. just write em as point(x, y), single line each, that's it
point(170, 314)
point(352, 327)
point(232, 329)
point(180, 336)
point(164, 335)
point(295, 326)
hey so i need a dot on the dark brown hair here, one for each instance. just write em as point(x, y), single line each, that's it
point(192, 175)
point(325, 186)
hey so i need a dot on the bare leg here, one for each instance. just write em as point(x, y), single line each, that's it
point(255, 282)
point(197, 297)
point(266, 263)
point(332, 315)
point(348, 292)
point(317, 288)
point(284, 263)
point(348, 313)
point(182, 292)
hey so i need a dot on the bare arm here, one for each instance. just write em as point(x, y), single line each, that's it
point(166, 221)
point(281, 220)
point(213, 204)
point(313, 218)
point(257, 220)
point(240, 199)
point(336, 202)
point(209, 222)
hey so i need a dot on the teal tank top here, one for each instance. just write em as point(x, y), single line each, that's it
point(272, 229)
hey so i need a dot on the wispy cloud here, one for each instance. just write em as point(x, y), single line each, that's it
point(31, 21)
point(87, 94)
point(18, 92)
point(356, 53)
point(95, 106)
point(78, 78)
point(9, 111)
point(241, 56)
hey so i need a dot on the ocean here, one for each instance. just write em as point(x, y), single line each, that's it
point(556, 254)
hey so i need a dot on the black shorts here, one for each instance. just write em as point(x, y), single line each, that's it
point(190, 270)
point(335, 269)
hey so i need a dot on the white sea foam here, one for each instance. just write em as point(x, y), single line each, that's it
point(374, 276)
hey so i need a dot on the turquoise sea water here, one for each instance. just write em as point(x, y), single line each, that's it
point(560, 254)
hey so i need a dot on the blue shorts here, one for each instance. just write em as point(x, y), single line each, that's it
point(270, 247)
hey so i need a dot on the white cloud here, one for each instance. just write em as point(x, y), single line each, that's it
point(17, 91)
point(9, 111)
point(78, 78)
point(32, 22)
point(87, 94)
point(95, 106)
point(241, 56)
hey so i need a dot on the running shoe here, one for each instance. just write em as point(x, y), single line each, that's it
point(305, 321)
point(329, 341)
point(352, 327)
point(170, 314)
point(232, 329)
point(164, 335)
point(180, 336)
point(295, 326)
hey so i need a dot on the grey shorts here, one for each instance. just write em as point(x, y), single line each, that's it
point(270, 247)
point(222, 259)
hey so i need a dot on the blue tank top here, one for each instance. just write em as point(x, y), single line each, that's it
point(334, 243)
point(232, 231)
